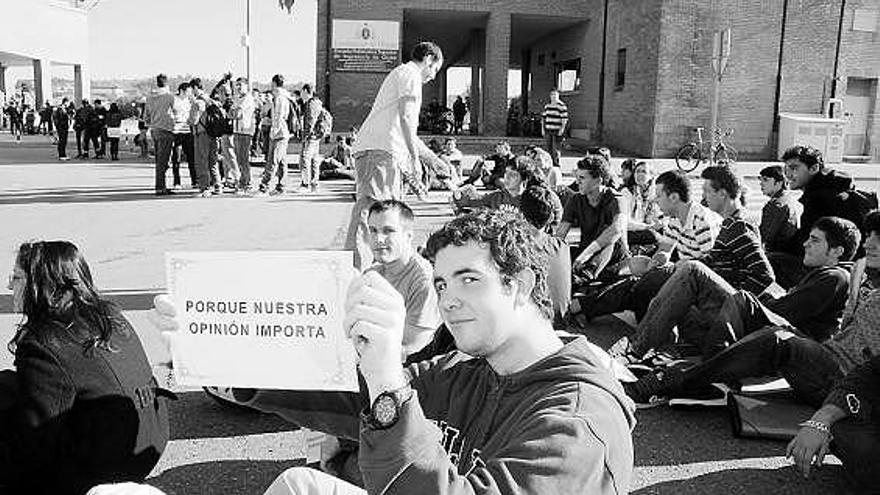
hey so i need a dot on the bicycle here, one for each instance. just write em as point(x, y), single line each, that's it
point(692, 154)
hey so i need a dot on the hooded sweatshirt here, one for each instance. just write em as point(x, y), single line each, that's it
point(823, 196)
point(562, 425)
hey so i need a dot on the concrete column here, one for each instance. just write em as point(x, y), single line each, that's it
point(81, 84)
point(525, 72)
point(497, 66)
point(42, 82)
point(476, 103)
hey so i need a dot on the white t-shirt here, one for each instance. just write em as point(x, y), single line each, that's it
point(382, 128)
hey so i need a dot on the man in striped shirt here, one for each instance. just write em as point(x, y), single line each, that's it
point(554, 120)
point(737, 256)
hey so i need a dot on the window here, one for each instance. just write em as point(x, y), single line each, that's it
point(620, 79)
point(568, 75)
point(866, 20)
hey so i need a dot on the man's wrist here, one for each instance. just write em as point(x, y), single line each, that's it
point(376, 385)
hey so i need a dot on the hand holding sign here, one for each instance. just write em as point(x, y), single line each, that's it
point(374, 319)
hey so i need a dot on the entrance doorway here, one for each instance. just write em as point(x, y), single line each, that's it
point(858, 106)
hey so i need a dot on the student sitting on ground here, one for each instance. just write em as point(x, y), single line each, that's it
point(643, 213)
point(688, 232)
point(781, 215)
point(340, 163)
point(824, 193)
point(452, 155)
point(82, 407)
point(599, 212)
point(537, 204)
point(517, 176)
point(489, 170)
point(552, 173)
point(814, 306)
point(810, 367)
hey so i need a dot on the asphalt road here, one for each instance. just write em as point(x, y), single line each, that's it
point(109, 210)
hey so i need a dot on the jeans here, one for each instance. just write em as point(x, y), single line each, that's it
point(185, 143)
point(91, 136)
point(275, 164)
point(114, 147)
point(207, 171)
point(230, 161)
point(309, 162)
point(307, 481)
point(163, 140)
point(241, 144)
point(553, 142)
point(808, 366)
point(691, 284)
point(79, 147)
point(378, 177)
point(62, 143)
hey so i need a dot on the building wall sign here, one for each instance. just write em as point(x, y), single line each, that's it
point(365, 46)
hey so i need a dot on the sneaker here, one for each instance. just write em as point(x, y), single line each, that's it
point(164, 192)
point(313, 188)
point(276, 192)
point(64, 159)
point(713, 395)
point(244, 191)
point(218, 191)
point(259, 193)
point(176, 187)
point(207, 193)
point(303, 188)
point(653, 389)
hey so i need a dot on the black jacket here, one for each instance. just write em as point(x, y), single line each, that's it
point(823, 196)
point(86, 415)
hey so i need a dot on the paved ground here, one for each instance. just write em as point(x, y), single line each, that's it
point(109, 211)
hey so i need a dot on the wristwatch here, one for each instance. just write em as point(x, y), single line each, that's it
point(385, 410)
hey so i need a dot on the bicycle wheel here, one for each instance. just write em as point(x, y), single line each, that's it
point(725, 153)
point(688, 157)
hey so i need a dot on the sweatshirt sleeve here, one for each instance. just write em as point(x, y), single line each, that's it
point(809, 300)
point(858, 393)
point(554, 452)
point(334, 413)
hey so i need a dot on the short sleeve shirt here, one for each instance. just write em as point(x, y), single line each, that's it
point(415, 282)
point(382, 128)
point(592, 220)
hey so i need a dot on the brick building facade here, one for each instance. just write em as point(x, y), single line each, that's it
point(654, 83)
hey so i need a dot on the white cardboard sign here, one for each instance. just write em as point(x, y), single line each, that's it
point(260, 319)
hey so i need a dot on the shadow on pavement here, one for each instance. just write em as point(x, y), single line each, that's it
point(221, 477)
point(97, 195)
point(196, 415)
point(750, 481)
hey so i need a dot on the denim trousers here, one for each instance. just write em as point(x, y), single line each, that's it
point(207, 170)
point(242, 143)
point(310, 162)
point(275, 163)
point(163, 141)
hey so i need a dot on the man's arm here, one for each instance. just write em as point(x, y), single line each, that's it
point(808, 301)
point(562, 230)
point(408, 113)
point(548, 452)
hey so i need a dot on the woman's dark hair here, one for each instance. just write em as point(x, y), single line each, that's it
point(633, 165)
point(114, 107)
point(58, 289)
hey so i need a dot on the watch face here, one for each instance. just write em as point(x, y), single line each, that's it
point(385, 410)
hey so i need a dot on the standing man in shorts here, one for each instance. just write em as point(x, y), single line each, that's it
point(387, 149)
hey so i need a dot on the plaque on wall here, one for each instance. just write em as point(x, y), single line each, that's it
point(365, 46)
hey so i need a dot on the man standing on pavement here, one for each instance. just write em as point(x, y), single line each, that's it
point(62, 124)
point(279, 137)
point(387, 150)
point(183, 138)
point(243, 126)
point(553, 123)
point(159, 116)
point(309, 157)
point(207, 170)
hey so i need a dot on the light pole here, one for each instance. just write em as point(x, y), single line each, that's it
point(246, 39)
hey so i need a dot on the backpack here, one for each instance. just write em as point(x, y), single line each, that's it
point(857, 203)
point(216, 122)
point(324, 124)
point(294, 124)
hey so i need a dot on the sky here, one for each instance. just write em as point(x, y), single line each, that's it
point(135, 38)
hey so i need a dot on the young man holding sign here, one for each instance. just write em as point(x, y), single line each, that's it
point(526, 414)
